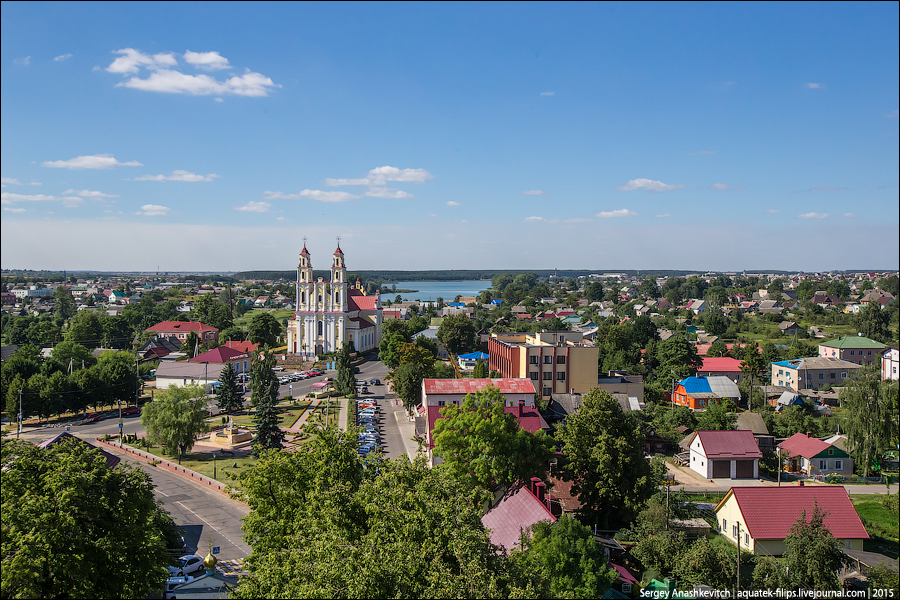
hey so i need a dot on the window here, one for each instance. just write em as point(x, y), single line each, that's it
point(838, 465)
point(734, 532)
point(821, 375)
point(532, 360)
point(548, 360)
point(843, 375)
point(870, 353)
point(832, 375)
point(823, 464)
point(626, 588)
point(548, 376)
point(830, 451)
point(852, 353)
point(747, 538)
point(561, 376)
point(560, 360)
point(442, 403)
point(547, 391)
point(533, 375)
point(724, 524)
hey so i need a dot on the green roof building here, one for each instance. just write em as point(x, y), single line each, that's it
point(853, 348)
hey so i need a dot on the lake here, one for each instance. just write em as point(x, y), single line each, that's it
point(432, 290)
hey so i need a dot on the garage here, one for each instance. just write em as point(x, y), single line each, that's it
point(721, 469)
point(743, 469)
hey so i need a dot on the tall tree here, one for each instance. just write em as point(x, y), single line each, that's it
point(345, 382)
point(813, 555)
point(323, 523)
point(457, 333)
point(604, 450)
point(718, 416)
point(264, 390)
point(678, 358)
point(85, 329)
point(701, 563)
point(64, 307)
point(74, 527)
point(564, 560)
point(483, 445)
point(191, 344)
point(175, 419)
point(264, 329)
point(871, 408)
point(874, 322)
point(229, 396)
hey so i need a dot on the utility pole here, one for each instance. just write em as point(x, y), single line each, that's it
point(738, 556)
point(19, 428)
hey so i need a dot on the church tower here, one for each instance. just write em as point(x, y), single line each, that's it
point(339, 281)
point(304, 280)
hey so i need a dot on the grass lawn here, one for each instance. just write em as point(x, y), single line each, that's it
point(287, 414)
point(202, 462)
point(278, 313)
point(880, 522)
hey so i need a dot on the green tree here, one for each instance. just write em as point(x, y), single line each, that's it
point(753, 366)
point(264, 390)
point(85, 329)
point(389, 349)
point(324, 523)
point(64, 305)
point(175, 419)
point(813, 555)
point(874, 322)
point(482, 444)
point(457, 333)
point(769, 573)
point(678, 358)
point(700, 562)
point(564, 560)
point(406, 381)
point(717, 348)
point(345, 382)
point(212, 312)
point(870, 405)
point(229, 396)
point(78, 355)
point(264, 329)
point(717, 416)
point(593, 292)
point(481, 370)
point(604, 449)
point(191, 344)
point(74, 527)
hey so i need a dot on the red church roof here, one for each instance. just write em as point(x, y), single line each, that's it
point(769, 512)
point(362, 302)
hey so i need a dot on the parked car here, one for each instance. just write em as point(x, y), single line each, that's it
point(190, 563)
point(172, 584)
point(374, 382)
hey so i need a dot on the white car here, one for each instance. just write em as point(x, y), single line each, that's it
point(189, 563)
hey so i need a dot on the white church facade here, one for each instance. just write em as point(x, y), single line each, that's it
point(329, 313)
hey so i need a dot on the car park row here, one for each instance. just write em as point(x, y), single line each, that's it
point(367, 417)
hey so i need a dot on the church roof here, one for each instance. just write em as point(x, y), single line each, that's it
point(338, 251)
point(304, 252)
point(362, 302)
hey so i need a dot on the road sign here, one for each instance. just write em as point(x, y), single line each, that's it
point(216, 549)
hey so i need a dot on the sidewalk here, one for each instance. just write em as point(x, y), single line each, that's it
point(342, 415)
point(297, 426)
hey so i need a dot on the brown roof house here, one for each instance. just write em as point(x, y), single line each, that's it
point(725, 454)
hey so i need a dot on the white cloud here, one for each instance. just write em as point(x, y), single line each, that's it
point(62, 57)
point(252, 206)
point(384, 192)
point(452, 203)
point(316, 195)
point(5, 181)
point(208, 61)
point(90, 194)
point(154, 210)
point(381, 175)
point(164, 79)
point(718, 186)
point(13, 210)
point(850, 215)
point(96, 161)
point(772, 211)
point(535, 219)
point(534, 193)
point(814, 86)
point(219, 100)
point(68, 201)
point(650, 185)
point(23, 61)
point(279, 218)
point(622, 212)
point(178, 176)
point(663, 216)
point(813, 215)
point(548, 93)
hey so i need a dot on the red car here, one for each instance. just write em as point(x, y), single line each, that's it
point(131, 410)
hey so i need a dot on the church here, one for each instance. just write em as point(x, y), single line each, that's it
point(329, 313)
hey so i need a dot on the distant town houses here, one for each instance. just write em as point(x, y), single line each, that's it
point(181, 330)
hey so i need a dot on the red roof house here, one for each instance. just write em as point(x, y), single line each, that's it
point(761, 517)
point(813, 456)
point(248, 347)
point(520, 507)
point(730, 454)
point(224, 354)
point(723, 365)
point(181, 329)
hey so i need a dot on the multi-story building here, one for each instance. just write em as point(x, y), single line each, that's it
point(853, 348)
point(890, 363)
point(557, 362)
point(812, 373)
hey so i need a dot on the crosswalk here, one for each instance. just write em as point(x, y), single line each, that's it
point(232, 568)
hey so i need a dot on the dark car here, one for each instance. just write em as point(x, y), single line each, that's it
point(374, 382)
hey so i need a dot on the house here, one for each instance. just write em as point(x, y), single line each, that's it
point(555, 361)
point(697, 392)
point(181, 329)
point(729, 454)
point(753, 422)
point(521, 507)
point(723, 366)
point(890, 361)
point(223, 355)
point(812, 456)
point(759, 518)
point(619, 382)
point(248, 346)
point(468, 361)
point(698, 307)
point(170, 373)
point(853, 348)
point(812, 372)
point(789, 328)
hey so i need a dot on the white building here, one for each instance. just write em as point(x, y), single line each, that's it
point(331, 313)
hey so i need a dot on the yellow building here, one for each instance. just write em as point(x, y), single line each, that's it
point(759, 518)
point(557, 362)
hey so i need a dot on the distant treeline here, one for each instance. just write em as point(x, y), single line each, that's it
point(460, 275)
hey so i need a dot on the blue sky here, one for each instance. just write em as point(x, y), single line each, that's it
point(428, 136)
